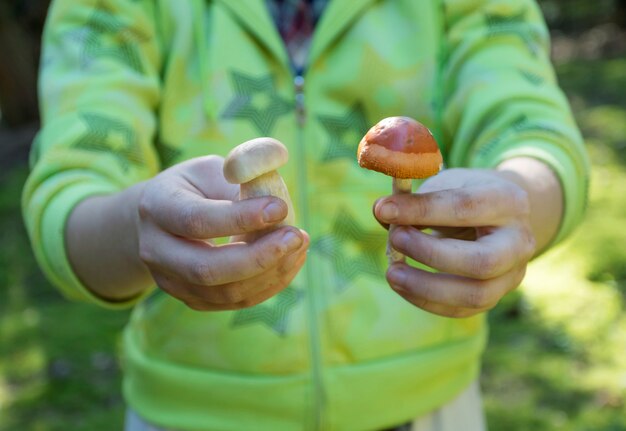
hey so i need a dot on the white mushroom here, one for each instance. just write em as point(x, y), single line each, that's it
point(253, 166)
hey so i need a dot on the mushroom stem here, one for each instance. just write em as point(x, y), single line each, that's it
point(400, 186)
point(269, 184)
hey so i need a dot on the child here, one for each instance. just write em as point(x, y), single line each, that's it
point(123, 198)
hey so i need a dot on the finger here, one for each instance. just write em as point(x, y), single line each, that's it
point(184, 292)
point(386, 225)
point(446, 310)
point(489, 256)
point(206, 174)
point(383, 224)
point(283, 281)
point(200, 263)
point(233, 296)
point(485, 205)
point(184, 213)
point(246, 293)
point(425, 289)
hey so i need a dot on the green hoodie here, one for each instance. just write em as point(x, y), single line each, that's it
point(131, 87)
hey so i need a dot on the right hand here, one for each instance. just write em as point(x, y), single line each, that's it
point(187, 205)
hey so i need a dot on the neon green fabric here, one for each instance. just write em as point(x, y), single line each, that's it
point(131, 87)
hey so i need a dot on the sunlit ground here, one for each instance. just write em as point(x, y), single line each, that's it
point(57, 363)
point(557, 355)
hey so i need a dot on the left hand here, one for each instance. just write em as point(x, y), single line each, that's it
point(481, 244)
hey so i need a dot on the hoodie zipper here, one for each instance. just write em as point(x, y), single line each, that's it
point(319, 399)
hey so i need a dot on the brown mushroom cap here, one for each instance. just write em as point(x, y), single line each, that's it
point(254, 158)
point(401, 148)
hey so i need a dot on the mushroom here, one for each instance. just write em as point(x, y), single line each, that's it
point(403, 149)
point(253, 166)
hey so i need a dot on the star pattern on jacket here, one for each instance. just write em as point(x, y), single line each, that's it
point(512, 24)
point(167, 153)
point(257, 101)
point(344, 133)
point(110, 136)
point(105, 35)
point(520, 125)
point(274, 313)
point(532, 78)
point(351, 249)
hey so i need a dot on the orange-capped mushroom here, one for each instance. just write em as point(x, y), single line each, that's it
point(403, 149)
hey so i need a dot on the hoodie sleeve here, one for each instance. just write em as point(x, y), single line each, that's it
point(502, 100)
point(98, 90)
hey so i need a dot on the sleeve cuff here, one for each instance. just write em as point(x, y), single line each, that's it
point(53, 256)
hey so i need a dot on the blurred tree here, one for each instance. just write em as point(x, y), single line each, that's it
point(575, 16)
point(620, 13)
point(21, 23)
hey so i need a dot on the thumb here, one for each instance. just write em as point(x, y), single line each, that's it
point(206, 175)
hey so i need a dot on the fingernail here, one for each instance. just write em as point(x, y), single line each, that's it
point(292, 240)
point(388, 211)
point(396, 276)
point(400, 237)
point(273, 212)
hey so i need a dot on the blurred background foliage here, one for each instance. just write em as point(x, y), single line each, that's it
point(556, 358)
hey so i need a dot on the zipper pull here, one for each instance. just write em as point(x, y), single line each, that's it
point(298, 82)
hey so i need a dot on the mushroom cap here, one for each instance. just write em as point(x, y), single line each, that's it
point(254, 158)
point(401, 148)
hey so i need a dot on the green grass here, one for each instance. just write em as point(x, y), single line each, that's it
point(556, 358)
point(58, 368)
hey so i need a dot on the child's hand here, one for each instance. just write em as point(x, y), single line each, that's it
point(476, 270)
point(184, 207)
